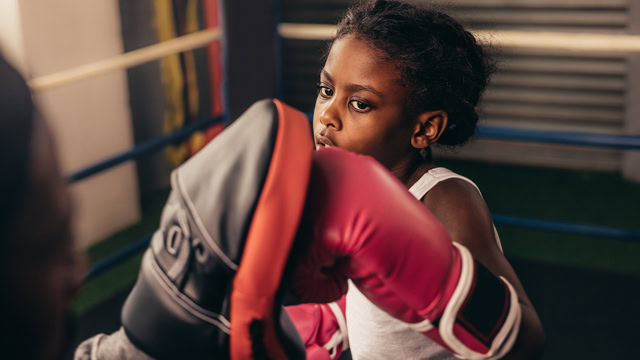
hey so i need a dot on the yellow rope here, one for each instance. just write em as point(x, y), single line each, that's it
point(191, 78)
point(198, 139)
point(171, 75)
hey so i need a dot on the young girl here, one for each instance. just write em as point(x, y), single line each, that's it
point(398, 79)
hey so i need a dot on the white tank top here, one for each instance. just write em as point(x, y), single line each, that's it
point(373, 334)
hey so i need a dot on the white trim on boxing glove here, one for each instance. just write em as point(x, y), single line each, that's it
point(342, 324)
point(504, 339)
point(333, 343)
point(341, 336)
point(515, 328)
point(421, 327)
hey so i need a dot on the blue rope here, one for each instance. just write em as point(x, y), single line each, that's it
point(143, 148)
point(631, 142)
point(117, 257)
point(561, 137)
point(574, 138)
point(558, 137)
point(588, 230)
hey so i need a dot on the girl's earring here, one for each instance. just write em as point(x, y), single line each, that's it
point(423, 153)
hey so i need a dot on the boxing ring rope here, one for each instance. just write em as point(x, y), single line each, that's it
point(628, 142)
point(579, 229)
point(512, 38)
point(560, 137)
point(565, 41)
point(146, 147)
point(124, 61)
point(623, 142)
point(127, 60)
point(117, 257)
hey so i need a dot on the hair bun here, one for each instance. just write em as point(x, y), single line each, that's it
point(461, 125)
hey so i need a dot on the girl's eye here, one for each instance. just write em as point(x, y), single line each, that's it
point(360, 106)
point(324, 91)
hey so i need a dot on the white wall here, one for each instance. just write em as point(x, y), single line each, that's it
point(90, 119)
point(11, 44)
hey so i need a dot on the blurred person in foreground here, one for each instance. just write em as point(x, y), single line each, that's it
point(40, 272)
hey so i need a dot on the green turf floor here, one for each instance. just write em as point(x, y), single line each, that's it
point(112, 281)
point(561, 195)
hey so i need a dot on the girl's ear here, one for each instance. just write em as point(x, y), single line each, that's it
point(429, 128)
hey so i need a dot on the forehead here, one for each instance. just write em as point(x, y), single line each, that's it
point(356, 59)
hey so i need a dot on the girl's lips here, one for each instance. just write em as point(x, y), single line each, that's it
point(324, 141)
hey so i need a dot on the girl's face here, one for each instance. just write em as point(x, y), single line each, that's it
point(361, 104)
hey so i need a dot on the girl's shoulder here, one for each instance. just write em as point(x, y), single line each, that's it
point(453, 192)
point(458, 204)
point(442, 180)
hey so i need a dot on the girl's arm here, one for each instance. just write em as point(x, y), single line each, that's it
point(465, 215)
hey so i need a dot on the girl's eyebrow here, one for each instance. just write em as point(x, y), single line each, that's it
point(327, 75)
point(358, 87)
point(354, 87)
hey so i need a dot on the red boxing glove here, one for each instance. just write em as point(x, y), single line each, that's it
point(361, 223)
point(323, 328)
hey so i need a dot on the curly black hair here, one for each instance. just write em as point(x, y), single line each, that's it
point(441, 62)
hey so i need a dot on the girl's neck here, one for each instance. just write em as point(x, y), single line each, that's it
point(410, 169)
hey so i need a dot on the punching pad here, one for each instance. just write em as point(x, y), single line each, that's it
point(208, 283)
